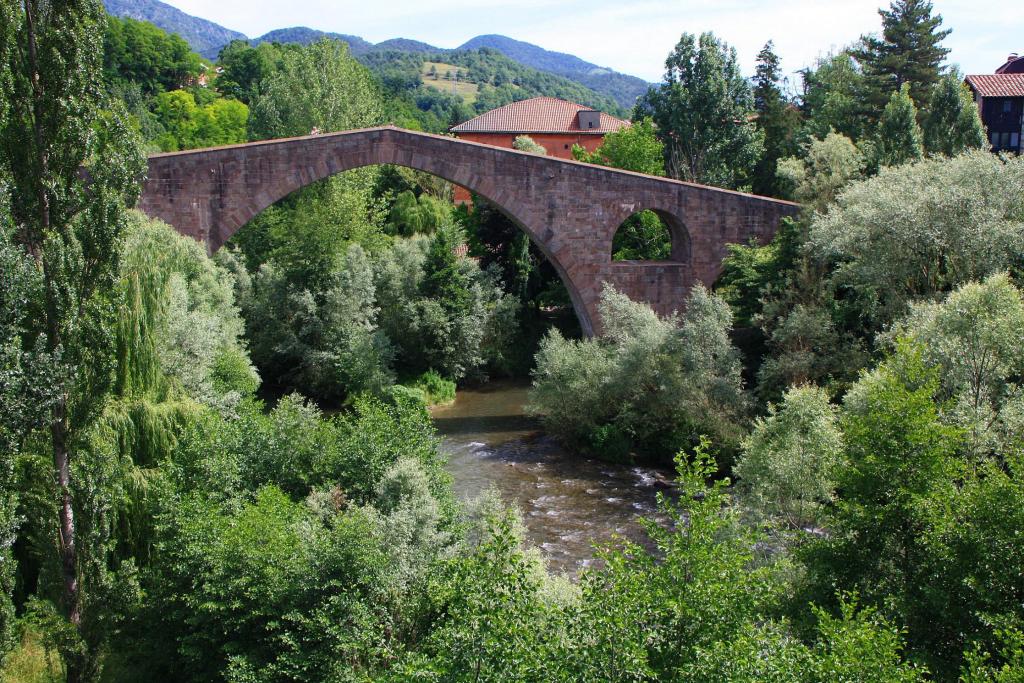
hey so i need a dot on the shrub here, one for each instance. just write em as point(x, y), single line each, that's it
point(436, 388)
point(789, 460)
point(232, 371)
point(660, 382)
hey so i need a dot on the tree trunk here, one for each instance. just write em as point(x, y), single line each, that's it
point(66, 514)
point(59, 427)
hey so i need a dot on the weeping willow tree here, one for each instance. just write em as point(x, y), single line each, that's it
point(178, 355)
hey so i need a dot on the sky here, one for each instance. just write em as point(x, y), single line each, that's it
point(631, 36)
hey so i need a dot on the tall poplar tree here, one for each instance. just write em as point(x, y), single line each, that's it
point(702, 110)
point(73, 168)
point(776, 120)
point(953, 122)
point(908, 51)
point(899, 136)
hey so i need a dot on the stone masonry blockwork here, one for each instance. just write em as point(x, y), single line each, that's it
point(570, 210)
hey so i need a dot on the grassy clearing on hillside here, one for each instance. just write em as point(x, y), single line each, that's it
point(464, 89)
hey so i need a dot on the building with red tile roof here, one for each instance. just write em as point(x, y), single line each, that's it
point(1000, 99)
point(997, 85)
point(554, 124)
point(542, 116)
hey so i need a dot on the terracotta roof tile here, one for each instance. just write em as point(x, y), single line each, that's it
point(538, 115)
point(997, 85)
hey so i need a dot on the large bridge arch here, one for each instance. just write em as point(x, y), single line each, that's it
point(568, 209)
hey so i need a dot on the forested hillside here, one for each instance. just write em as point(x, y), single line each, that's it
point(622, 88)
point(208, 39)
point(223, 467)
point(204, 37)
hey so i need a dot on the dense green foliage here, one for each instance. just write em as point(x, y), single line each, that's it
point(187, 126)
point(791, 456)
point(140, 53)
point(56, 124)
point(952, 125)
point(319, 87)
point(649, 383)
point(777, 120)
point(899, 136)
point(920, 230)
point(702, 89)
point(860, 375)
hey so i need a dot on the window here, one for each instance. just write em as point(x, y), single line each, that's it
point(1014, 140)
point(1007, 106)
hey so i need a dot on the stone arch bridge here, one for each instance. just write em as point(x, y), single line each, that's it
point(569, 209)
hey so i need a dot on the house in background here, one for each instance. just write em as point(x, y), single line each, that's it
point(1000, 99)
point(554, 124)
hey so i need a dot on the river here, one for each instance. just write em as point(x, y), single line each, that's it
point(568, 502)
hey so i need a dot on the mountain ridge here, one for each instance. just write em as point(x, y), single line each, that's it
point(207, 38)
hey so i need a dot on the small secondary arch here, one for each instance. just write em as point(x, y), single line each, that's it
point(651, 234)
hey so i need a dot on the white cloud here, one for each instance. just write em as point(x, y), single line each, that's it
point(632, 37)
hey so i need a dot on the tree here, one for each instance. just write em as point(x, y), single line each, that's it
point(908, 52)
point(952, 123)
point(632, 148)
point(833, 91)
point(776, 119)
point(789, 460)
point(656, 383)
point(25, 400)
point(450, 307)
point(319, 86)
point(411, 215)
point(976, 338)
point(138, 52)
point(55, 128)
point(244, 68)
point(188, 126)
point(702, 110)
point(899, 462)
point(899, 136)
point(817, 178)
point(903, 235)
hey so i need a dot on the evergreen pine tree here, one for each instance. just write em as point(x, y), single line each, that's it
point(908, 51)
point(775, 118)
point(899, 136)
point(443, 279)
point(952, 123)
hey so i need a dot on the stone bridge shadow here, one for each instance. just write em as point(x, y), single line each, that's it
point(570, 210)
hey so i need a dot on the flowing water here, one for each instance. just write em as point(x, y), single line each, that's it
point(568, 502)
